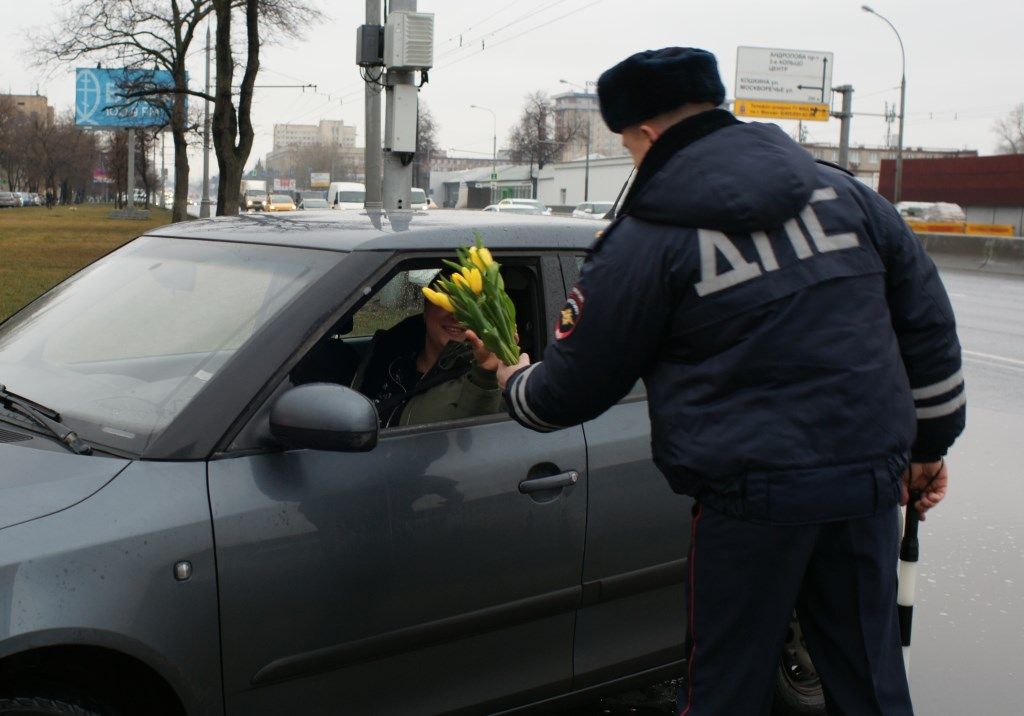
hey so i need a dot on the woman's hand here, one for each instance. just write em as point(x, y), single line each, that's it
point(484, 358)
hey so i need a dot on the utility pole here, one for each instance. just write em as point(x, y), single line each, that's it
point(131, 170)
point(494, 151)
point(163, 171)
point(844, 124)
point(372, 152)
point(204, 207)
point(401, 116)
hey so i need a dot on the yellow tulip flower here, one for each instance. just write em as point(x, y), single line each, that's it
point(474, 279)
point(438, 299)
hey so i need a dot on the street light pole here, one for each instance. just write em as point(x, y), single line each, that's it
point(590, 117)
point(494, 151)
point(898, 189)
point(204, 207)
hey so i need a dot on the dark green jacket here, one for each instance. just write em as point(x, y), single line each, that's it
point(455, 387)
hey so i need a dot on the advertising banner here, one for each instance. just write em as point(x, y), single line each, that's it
point(101, 101)
point(284, 184)
point(319, 180)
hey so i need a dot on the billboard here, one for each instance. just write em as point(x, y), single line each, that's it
point(319, 180)
point(282, 184)
point(100, 98)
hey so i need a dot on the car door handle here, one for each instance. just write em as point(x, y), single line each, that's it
point(551, 482)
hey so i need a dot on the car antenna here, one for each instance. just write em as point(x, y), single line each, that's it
point(612, 213)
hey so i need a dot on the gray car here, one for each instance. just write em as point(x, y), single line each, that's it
point(8, 200)
point(198, 517)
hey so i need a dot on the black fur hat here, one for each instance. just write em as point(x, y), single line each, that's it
point(649, 83)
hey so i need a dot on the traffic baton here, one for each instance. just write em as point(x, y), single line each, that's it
point(909, 550)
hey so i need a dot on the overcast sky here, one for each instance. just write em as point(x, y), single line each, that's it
point(965, 60)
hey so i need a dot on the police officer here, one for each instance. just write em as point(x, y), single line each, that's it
point(800, 357)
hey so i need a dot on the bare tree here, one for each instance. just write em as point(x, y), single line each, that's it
point(535, 140)
point(137, 34)
point(426, 147)
point(13, 127)
point(1011, 131)
point(232, 124)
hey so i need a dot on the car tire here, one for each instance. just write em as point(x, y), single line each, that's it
point(50, 706)
point(798, 689)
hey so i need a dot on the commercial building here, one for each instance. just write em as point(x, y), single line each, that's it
point(990, 189)
point(31, 105)
point(575, 112)
point(328, 133)
point(865, 161)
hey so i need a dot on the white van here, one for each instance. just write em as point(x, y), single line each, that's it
point(418, 200)
point(346, 195)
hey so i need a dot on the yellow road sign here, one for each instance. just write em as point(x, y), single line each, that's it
point(780, 110)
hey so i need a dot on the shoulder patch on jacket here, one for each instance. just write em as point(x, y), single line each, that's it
point(570, 315)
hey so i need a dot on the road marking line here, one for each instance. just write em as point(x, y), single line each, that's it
point(976, 354)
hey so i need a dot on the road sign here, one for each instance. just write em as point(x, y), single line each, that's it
point(790, 76)
point(781, 110)
point(100, 98)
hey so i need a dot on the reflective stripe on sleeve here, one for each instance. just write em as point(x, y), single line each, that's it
point(943, 386)
point(518, 399)
point(942, 409)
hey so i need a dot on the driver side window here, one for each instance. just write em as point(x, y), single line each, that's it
point(409, 357)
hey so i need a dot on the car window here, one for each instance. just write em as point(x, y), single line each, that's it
point(375, 348)
point(123, 346)
point(399, 298)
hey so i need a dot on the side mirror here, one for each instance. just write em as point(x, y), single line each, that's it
point(325, 416)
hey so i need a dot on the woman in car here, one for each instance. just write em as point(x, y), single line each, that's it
point(423, 370)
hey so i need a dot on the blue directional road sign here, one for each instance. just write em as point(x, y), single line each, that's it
point(100, 97)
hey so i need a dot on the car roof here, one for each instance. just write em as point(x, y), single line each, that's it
point(354, 230)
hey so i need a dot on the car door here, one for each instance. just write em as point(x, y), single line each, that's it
point(638, 532)
point(424, 576)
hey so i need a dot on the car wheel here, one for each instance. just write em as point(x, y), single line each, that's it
point(46, 706)
point(797, 684)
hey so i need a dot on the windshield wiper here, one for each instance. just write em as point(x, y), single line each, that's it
point(46, 418)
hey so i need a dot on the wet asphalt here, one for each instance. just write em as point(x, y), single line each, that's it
point(968, 629)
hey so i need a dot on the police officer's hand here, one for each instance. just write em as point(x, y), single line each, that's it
point(506, 371)
point(931, 479)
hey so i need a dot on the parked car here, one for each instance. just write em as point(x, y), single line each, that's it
point(314, 203)
point(8, 200)
point(526, 202)
point(515, 209)
point(592, 209)
point(279, 202)
point(197, 516)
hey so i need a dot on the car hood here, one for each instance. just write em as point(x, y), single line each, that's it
point(35, 483)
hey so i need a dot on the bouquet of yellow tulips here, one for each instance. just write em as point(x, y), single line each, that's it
point(475, 294)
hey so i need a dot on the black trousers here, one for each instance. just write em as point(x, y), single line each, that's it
point(745, 580)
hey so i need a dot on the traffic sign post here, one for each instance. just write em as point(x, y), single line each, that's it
point(783, 84)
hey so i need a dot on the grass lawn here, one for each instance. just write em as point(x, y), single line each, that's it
point(41, 247)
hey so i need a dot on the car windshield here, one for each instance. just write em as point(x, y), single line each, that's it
point(280, 199)
point(602, 207)
point(123, 346)
point(419, 196)
point(314, 203)
point(351, 197)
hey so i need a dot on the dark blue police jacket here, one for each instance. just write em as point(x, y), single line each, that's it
point(795, 340)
